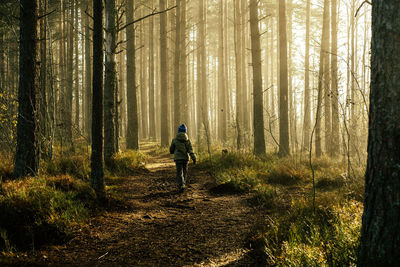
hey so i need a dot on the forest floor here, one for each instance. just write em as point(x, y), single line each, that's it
point(154, 224)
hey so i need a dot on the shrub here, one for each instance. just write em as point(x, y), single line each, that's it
point(128, 163)
point(328, 236)
point(32, 213)
point(6, 167)
point(75, 165)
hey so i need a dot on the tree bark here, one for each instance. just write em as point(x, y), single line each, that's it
point(76, 70)
point(27, 156)
point(183, 68)
point(222, 90)
point(70, 80)
point(326, 87)
point(322, 70)
point(88, 76)
point(258, 106)
point(307, 95)
point(380, 232)
point(334, 83)
point(164, 77)
point(245, 120)
point(97, 171)
point(284, 149)
point(44, 135)
point(132, 133)
point(152, 112)
point(109, 82)
point(143, 86)
point(238, 65)
point(177, 102)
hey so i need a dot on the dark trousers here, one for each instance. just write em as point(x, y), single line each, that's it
point(181, 171)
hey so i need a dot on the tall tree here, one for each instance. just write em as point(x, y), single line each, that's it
point(97, 171)
point(132, 132)
point(27, 156)
point(177, 77)
point(88, 76)
point(238, 65)
point(70, 80)
point(76, 69)
point(380, 232)
point(222, 89)
point(284, 149)
point(326, 87)
point(258, 106)
point(307, 110)
point(334, 82)
point(321, 74)
point(243, 36)
point(183, 68)
point(152, 112)
point(164, 80)
point(44, 137)
point(204, 108)
point(109, 81)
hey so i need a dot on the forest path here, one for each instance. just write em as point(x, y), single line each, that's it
point(158, 226)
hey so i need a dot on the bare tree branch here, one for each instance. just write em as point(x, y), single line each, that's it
point(145, 17)
point(358, 9)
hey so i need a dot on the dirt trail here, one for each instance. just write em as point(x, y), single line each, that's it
point(158, 226)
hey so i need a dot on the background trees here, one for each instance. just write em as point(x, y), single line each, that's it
point(167, 64)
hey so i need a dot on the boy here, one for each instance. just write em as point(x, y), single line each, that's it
point(181, 147)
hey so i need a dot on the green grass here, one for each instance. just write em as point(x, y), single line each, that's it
point(295, 234)
point(38, 211)
point(304, 237)
point(127, 163)
point(44, 210)
point(75, 165)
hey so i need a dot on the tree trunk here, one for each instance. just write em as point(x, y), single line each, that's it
point(222, 90)
point(334, 86)
point(44, 136)
point(380, 233)
point(183, 67)
point(326, 88)
point(244, 98)
point(97, 171)
point(238, 64)
point(177, 102)
point(2, 62)
point(258, 107)
point(76, 70)
point(307, 95)
point(322, 58)
point(88, 76)
point(62, 83)
point(132, 133)
point(143, 79)
point(27, 156)
point(164, 77)
point(284, 149)
point(152, 112)
point(70, 80)
point(109, 82)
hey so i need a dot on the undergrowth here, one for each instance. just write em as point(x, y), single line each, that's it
point(296, 233)
point(127, 163)
point(44, 210)
point(38, 211)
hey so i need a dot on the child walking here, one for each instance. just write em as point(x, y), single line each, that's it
point(181, 147)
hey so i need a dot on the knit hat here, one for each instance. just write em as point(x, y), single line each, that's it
point(182, 129)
